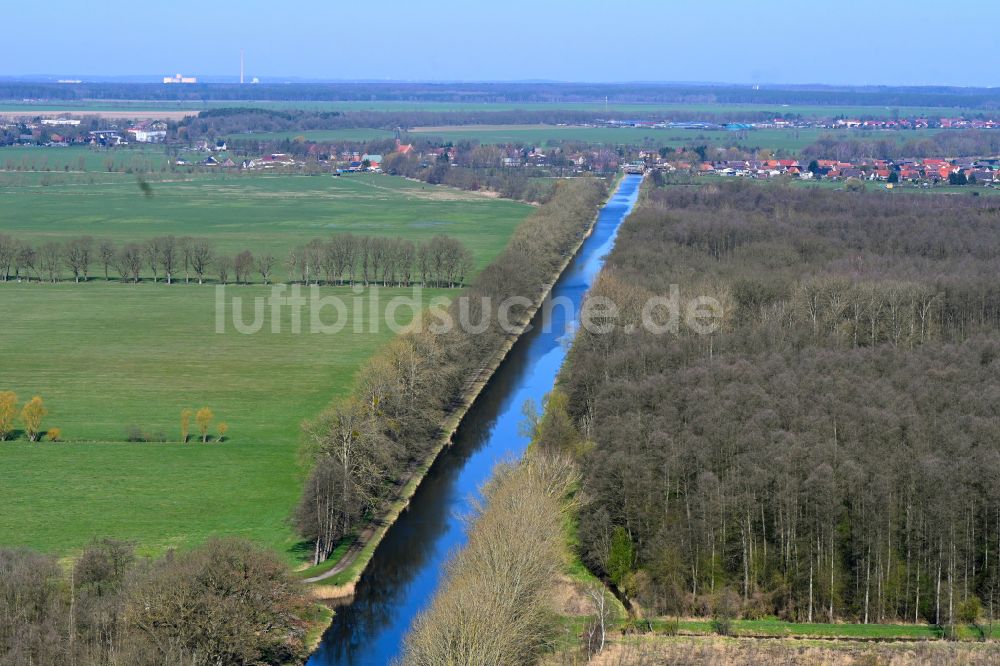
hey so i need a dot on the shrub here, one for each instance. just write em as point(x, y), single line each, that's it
point(670, 627)
point(53, 434)
point(725, 607)
point(970, 610)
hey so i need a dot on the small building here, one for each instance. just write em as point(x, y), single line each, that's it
point(148, 135)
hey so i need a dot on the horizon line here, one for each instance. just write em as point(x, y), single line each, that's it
point(276, 79)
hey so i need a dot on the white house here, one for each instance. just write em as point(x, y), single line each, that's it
point(149, 136)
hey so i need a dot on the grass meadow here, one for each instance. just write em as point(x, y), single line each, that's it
point(77, 159)
point(331, 135)
point(263, 213)
point(789, 140)
point(110, 356)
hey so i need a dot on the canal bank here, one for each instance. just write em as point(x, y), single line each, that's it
point(337, 583)
point(403, 571)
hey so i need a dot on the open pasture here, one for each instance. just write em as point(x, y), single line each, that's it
point(263, 213)
point(331, 135)
point(791, 140)
point(74, 159)
point(112, 360)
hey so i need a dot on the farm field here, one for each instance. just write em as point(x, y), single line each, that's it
point(349, 134)
point(111, 358)
point(107, 357)
point(791, 140)
point(127, 107)
point(259, 212)
point(81, 158)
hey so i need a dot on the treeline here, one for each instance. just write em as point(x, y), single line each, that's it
point(495, 603)
point(225, 602)
point(347, 258)
point(830, 451)
point(364, 446)
point(950, 143)
point(166, 256)
point(441, 261)
point(224, 122)
point(467, 174)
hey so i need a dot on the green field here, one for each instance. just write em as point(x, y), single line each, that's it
point(707, 108)
point(259, 212)
point(351, 134)
point(791, 140)
point(82, 158)
point(108, 356)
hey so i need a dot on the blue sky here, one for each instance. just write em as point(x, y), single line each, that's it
point(763, 41)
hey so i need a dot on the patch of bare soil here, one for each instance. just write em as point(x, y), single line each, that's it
point(570, 599)
point(692, 651)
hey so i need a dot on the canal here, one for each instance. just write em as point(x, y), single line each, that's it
point(406, 568)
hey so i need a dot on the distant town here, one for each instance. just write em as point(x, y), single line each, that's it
point(703, 157)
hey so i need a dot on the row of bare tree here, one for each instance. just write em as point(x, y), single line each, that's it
point(440, 261)
point(164, 257)
point(363, 447)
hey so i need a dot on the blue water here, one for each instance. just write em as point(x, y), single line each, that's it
point(406, 568)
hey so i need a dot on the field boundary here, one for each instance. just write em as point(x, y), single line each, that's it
point(360, 553)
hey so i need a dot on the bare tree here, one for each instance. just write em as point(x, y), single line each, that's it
point(78, 256)
point(168, 256)
point(107, 252)
point(153, 250)
point(185, 247)
point(129, 261)
point(243, 264)
point(224, 266)
point(597, 628)
point(265, 264)
point(8, 255)
point(202, 255)
point(50, 256)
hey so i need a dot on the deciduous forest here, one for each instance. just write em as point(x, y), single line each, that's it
point(830, 452)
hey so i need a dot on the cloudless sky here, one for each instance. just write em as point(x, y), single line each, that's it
point(918, 42)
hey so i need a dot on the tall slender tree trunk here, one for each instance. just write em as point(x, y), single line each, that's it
point(810, 590)
point(937, 594)
point(868, 577)
point(832, 561)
